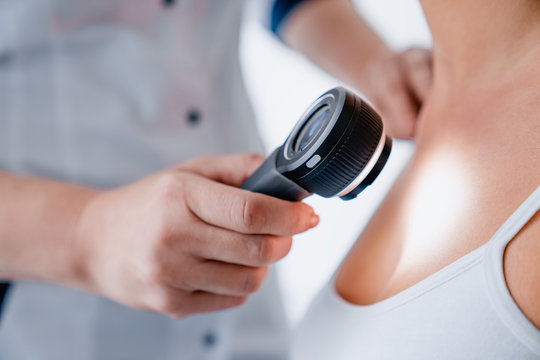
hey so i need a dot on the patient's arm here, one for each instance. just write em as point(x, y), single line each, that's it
point(336, 38)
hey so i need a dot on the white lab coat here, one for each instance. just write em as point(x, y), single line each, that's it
point(103, 92)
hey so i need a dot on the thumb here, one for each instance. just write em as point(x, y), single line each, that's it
point(227, 169)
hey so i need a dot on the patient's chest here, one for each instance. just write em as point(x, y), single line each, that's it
point(446, 203)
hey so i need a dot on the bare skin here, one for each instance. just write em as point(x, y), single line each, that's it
point(182, 241)
point(476, 160)
point(342, 43)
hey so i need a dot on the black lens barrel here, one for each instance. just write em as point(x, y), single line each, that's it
point(350, 154)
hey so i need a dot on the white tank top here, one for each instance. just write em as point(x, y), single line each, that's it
point(464, 311)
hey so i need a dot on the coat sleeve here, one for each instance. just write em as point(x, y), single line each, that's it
point(280, 11)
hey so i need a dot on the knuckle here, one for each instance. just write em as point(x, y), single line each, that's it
point(412, 52)
point(167, 306)
point(165, 303)
point(170, 189)
point(391, 80)
point(167, 186)
point(157, 273)
point(253, 279)
point(301, 217)
point(287, 246)
point(417, 59)
point(177, 315)
point(272, 249)
point(237, 301)
point(240, 300)
point(162, 226)
point(418, 62)
point(162, 238)
point(178, 311)
point(154, 266)
point(196, 161)
point(417, 67)
point(265, 250)
point(253, 158)
point(252, 214)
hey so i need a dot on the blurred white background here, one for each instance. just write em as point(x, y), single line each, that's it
point(282, 84)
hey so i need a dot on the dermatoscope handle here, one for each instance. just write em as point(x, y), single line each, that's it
point(269, 181)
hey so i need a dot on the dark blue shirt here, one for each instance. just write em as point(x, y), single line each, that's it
point(280, 10)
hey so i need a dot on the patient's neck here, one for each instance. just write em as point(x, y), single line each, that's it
point(485, 67)
point(483, 42)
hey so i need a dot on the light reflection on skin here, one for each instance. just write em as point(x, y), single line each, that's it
point(419, 228)
point(434, 206)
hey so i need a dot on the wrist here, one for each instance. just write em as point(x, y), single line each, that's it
point(40, 243)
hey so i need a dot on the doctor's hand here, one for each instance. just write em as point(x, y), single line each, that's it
point(397, 84)
point(186, 240)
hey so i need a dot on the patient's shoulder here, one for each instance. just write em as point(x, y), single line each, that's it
point(522, 269)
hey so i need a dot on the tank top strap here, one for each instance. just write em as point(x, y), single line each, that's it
point(516, 221)
point(498, 293)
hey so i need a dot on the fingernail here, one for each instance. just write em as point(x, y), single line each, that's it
point(314, 220)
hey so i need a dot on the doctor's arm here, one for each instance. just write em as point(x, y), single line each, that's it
point(334, 36)
point(181, 241)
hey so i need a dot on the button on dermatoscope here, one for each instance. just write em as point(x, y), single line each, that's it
point(313, 161)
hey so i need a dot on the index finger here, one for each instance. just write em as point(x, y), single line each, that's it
point(247, 212)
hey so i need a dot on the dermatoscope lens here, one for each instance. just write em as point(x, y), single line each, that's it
point(310, 129)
